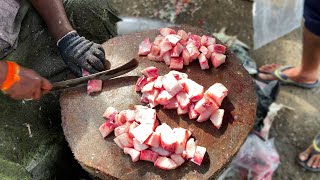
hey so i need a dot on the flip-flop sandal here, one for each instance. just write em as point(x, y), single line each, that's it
point(304, 163)
point(278, 73)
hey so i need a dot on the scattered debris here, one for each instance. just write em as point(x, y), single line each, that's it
point(29, 129)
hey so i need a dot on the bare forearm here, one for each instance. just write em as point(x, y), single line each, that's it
point(53, 13)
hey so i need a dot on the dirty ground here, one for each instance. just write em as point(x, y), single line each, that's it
point(292, 130)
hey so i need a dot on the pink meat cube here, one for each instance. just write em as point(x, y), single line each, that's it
point(173, 104)
point(204, 116)
point(117, 141)
point(167, 31)
point(171, 84)
point(186, 57)
point(176, 51)
point(155, 58)
point(147, 155)
point(207, 40)
point(125, 140)
point(165, 163)
point(204, 104)
point(191, 148)
point(141, 82)
point(203, 61)
point(195, 39)
point(181, 111)
point(193, 51)
point(205, 51)
point(158, 40)
point(152, 96)
point(183, 43)
point(164, 97)
point(217, 117)
point(94, 86)
point(138, 146)
point(168, 139)
point(210, 48)
point(183, 35)
point(158, 82)
point(167, 58)
point(199, 155)
point(177, 158)
point(183, 99)
point(145, 47)
point(182, 136)
point(173, 39)
point(148, 87)
point(219, 48)
point(145, 115)
point(106, 128)
point(165, 46)
point(150, 72)
point(142, 132)
point(153, 140)
point(160, 151)
point(194, 90)
point(110, 113)
point(176, 63)
point(129, 115)
point(135, 155)
point(178, 75)
point(118, 120)
point(132, 126)
point(155, 50)
point(122, 129)
point(217, 92)
point(217, 59)
point(192, 112)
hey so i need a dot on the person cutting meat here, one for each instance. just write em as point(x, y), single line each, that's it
point(40, 42)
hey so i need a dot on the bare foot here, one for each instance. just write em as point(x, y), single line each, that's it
point(293, 73)
point(314, 161)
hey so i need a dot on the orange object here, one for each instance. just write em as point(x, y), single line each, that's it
point(12, 77)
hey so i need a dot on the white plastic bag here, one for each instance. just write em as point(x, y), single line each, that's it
point(256, 160)
point(275, 18)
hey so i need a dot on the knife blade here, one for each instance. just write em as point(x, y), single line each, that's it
point(103, 75)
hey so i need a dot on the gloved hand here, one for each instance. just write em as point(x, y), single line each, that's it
point(79, 53)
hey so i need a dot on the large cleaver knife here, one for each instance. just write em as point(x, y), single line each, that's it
point(104, 75)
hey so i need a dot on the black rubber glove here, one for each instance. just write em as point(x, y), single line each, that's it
point(79, 53)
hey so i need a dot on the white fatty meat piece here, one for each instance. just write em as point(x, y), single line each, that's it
point(193, 114)
point(191, 148)
point(178, 75)
point(199, 155)
point(168, 139)
point(173, 104)
point(117, 141)
point(132, 126)
point(158, 82)
point(165, 163)
point(173, 39)
point(155, 50)
point(217, 117)
point(138, 146)
point(203, 61)
point(194, 90)
point(147, 155)
point(122, 129)
point(167, 31)
point(128, 115)
point(204, 104)
point(171, 84)
point(183, 99)
point(217, 92)
point(142, 132)
point(158, 40)
point(186, 57)
point(182, 136)
point(160, 151)
point(165, 46)
point(204, 116)
point(94, 86)
point(145, 115)
point(167, 58)
point(218, 48)
point(145, 47)
point(164, 97)
point(217, 59)
point(176, 51)
point(155, 57)
point(150, 72)
point(181, 111)
point(135, 155)
point(177, 158)
point(195, 39)
point(125, 140)
point(153, 140)
point(141, 82)
point(193, 51)
point(148, 87)
point(207, 40)
point(119, 120)
point(205, 51)
point(106, 128)
point(184, 36)
point(110, 113)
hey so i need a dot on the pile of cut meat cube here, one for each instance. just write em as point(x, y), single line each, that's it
point(175, 91)
point(139, 134)
point(178, 49)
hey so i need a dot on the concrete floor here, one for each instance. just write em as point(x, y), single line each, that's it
point(293, 130)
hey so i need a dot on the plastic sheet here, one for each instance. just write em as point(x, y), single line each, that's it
point(256, 160)
point(275, 18)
